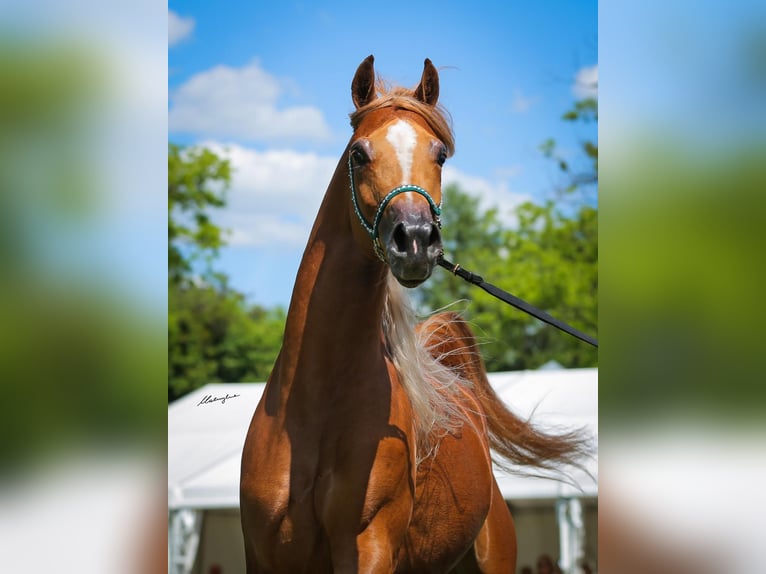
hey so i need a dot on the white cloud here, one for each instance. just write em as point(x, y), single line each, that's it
point(241, 103)
point(274, 195)
point(178, 28)
point(491, 193)
point(586, 83)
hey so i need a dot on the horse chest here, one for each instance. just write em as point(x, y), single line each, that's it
point(331, 483)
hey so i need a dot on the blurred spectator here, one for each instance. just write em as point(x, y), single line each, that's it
point(545, 565)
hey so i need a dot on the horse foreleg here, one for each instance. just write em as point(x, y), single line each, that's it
point(377, 548)
point(372, 545)
point(495, 546)
point(374, 550)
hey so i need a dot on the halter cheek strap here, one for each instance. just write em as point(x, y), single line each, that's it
point(372, 229)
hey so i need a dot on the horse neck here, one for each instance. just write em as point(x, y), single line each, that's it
point(334, 319)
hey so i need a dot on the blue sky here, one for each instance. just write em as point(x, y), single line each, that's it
point(268, 86)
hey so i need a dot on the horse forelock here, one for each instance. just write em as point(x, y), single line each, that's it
point(437, 117)
point(431, 386)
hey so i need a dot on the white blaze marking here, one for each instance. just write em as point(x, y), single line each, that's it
point(403, 138)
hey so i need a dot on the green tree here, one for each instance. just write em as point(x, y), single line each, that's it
point(214, 334)
point(197, 182)
point(581, 177)
point(549, 259)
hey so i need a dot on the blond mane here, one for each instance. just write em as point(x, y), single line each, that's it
point(430, 385)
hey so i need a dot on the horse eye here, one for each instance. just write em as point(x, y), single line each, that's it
point(442, 155)
point(359, 155)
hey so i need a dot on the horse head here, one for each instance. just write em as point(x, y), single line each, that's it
point(401, 140)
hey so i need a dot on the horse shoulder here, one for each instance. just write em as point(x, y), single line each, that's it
point(265, 468)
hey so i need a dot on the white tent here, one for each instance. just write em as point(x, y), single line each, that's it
point(205, 444)
point(205, 438)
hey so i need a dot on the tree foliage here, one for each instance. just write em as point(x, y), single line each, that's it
point(197, 182)
point(548, 259)
point(581, 176)
point(214, 333)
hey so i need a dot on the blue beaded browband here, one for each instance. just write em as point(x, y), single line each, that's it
point(373, 229)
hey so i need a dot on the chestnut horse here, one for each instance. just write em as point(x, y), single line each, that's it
point(370, 448)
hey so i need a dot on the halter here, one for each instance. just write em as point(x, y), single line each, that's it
point(436, 209)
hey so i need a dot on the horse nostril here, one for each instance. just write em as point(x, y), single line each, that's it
point(411, 239)
point(400, 238)
point(435, 236)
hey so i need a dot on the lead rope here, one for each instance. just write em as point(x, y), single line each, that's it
point(514, 301)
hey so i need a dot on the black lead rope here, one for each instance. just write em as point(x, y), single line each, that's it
point(514, 301)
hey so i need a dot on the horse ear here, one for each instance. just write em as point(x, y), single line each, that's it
point(363, 85)
point(428, 88)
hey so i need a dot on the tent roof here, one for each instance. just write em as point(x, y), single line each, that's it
point(205, 438)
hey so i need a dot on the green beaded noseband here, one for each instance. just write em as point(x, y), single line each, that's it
point(373, 229)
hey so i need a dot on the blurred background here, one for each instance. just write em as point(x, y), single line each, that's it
point(83, 296)
point(682, 103)
point(85, 279)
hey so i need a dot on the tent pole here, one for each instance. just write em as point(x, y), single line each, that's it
point(184, 529)
point(571, 534)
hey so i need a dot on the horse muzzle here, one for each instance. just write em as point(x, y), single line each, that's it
point(412, 245)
